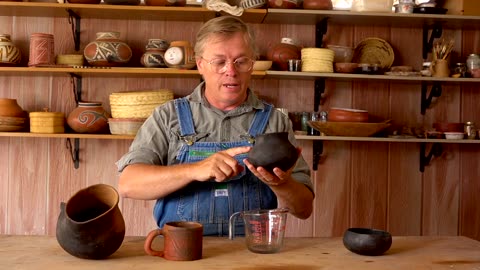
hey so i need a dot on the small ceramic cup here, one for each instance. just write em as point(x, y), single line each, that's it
point(183, 241)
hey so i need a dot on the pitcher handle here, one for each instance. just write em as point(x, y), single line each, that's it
point(231, 225)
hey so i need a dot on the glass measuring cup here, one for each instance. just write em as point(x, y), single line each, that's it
point(264, 229)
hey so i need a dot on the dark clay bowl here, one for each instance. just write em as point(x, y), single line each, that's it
point(364, 241)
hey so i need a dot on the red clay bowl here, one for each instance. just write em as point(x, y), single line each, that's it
point(347, 115)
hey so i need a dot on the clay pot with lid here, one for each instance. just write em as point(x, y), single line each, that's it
point(280, 53)
point(89, 117)
point(9, 53)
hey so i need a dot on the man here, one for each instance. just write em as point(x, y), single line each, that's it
point(190, 153)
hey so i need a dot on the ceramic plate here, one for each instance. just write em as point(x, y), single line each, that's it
point(374, 51)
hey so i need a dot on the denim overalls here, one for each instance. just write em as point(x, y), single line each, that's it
point(212, 203)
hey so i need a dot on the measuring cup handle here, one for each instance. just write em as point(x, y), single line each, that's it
point(231, 225)
point(148, 243)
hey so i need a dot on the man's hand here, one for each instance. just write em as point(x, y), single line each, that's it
point(221, 165)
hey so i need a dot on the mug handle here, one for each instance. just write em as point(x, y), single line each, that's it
point(432, 66)
point(148, 243)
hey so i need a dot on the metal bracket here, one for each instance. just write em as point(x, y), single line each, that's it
point(317, 153)
point(77, 87)
point(427, 101)
point(75, 27)
point(436, 151)
point(74, 152)
point(428, 42)
point(318, 93)
point(320, 31)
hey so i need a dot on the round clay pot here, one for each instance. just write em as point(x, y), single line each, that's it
point(347, 115)
point(154, 53)
point(272, 150)
point(9, 107)
point(280, 53)
point(318, 4)
point(180, 55)
point(89, 117)
point(365, 241)
point(107, 50)
point(11, 54)
point(90, 224)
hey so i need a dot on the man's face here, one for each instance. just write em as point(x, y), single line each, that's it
point(225, 90)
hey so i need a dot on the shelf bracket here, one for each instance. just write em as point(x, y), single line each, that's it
point(75, 151)
point(428, 42)
point(74, 21)
point(77, 86)
point(436, 151)
point(320, 31)
point(318, 94)
point(427, 101)
point(317, 153)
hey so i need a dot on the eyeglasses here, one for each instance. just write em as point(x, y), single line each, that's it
point(242, 64)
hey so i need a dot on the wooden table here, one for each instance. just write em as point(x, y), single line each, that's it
point(412, 253)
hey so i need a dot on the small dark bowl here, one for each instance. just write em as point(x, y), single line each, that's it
point(364, 241)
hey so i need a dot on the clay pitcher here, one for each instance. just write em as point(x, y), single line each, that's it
point(272, 150)
point(90, 224)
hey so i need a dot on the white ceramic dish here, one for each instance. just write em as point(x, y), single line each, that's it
point(454, 135)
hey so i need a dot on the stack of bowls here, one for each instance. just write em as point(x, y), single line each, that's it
point(12, 116)
point(130, 109)
point(317, 60)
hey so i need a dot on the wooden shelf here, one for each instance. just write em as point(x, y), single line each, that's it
point(302, 16)
point(104, 11)
point(108, 72)
point(298, 137)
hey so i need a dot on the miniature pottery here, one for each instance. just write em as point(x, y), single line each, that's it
point(180, 55)
point(154, 53)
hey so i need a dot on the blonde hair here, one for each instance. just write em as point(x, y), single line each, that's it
point(225, 26)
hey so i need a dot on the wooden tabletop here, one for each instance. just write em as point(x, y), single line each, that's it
point(43, 252)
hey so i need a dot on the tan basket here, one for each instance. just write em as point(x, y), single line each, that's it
point(349, 129)
point(132, 111)
point(128, 126)
point(142, 97)
point(47, 122)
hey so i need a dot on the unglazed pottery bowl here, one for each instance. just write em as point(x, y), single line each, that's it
point(262, 65)
point(347, 115)
point(365, 241)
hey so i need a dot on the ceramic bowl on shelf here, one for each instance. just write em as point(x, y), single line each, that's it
point(366, 241)
point(261, 65)
point(449, 127)
point(343, 54)
point(454, 135)
point(345, 67)
point(347, 115)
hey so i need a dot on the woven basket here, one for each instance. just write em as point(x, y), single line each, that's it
point(140, 98)
point(349, 129)
point(128, 126)
point(374, 51)
point(132, 111)
point(47, 122)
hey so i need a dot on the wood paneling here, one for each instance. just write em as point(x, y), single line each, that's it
point(357, 183)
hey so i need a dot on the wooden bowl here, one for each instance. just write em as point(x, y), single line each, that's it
point(364, 241)
point(349, 129)
point(347, 115)
point(449, 127)
point(345, 67)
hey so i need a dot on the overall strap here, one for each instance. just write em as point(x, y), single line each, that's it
point(185, 118)
point(260, 120)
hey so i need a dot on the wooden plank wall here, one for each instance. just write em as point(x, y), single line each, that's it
point(357, 183)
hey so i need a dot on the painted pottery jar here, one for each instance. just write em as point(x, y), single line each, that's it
point(154, 53)
point(107, 50)
point(280, 53)
point(9, 53)
point(89, 117)
point(41, 49)
point(180, 55)
point(272, 150)
point(90, 224)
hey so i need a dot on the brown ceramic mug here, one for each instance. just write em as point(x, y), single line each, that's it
point(183, 241)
